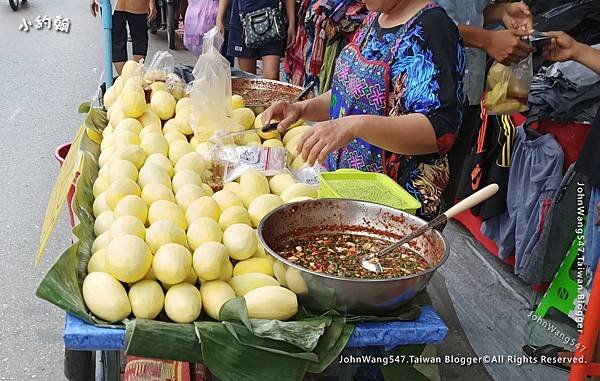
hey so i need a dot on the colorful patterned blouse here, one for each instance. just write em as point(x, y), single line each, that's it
point(427, 78)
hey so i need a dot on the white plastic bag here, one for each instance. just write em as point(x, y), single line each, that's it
point(210, 92)
point(160, 67)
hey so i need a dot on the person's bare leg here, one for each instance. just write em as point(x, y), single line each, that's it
point(247, 64)
point(271, 67)
point(183, 5)
point(119, 67)
point(138, 58)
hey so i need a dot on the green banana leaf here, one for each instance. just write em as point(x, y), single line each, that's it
point(291, 348)
point(304, 335)
point(61, 285)
point(228, 360)
point(157, 339)
point(236, 348)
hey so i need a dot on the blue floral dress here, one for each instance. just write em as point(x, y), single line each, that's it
point(416, 67)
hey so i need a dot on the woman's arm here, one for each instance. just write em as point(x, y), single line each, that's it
point(290, 9)
point(221, 15)
point(315, 109)
point(411, 134)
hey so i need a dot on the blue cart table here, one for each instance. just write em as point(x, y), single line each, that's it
point(427, 329)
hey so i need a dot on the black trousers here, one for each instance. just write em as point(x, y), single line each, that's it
point(138, 27)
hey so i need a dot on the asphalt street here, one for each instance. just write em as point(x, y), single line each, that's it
point(45, 76)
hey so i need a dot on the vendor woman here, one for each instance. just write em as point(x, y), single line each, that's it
point(395, 105)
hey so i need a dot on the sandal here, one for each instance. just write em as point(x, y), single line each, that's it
point(548, 351)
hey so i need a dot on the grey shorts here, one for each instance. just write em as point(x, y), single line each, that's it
point(534, 178)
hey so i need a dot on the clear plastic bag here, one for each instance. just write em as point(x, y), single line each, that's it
point(210, 91)
point(230, 161)
point(508, 87)
point(160, 67)
point(308, 175)
point(176, 86)
point(97, 98)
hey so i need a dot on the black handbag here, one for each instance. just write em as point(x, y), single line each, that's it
point(263, 26)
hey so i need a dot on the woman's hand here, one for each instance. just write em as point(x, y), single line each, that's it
point(220, 25)
point(287, 113)
point(562, 48)
point(94, 7)
point(291, 36)
point(517, 16)
point(326, 137)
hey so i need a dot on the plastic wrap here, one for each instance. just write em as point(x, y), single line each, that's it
point(508, 87)
point(230, 161)
point(210, 92)
point(160, 67)
point(307, 174)
point(97, 98)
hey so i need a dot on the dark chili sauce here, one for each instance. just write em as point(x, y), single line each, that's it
point(339, 254)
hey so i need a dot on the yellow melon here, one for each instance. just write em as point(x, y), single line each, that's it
point(183, 303)
point(105, 297)
point(166, 210)
point(209, 260)
point(163, 161)
point(240, 241)
point(155, 192)
point(154, 142)
point(185, 177)
point(132, 205)
point(203, 230)
point(119, 189)
point(164, 232)
point(147, 299)
point(127, 225)
point(187, 195)
point(128, 258)
point(215, 293)
point(172, 263)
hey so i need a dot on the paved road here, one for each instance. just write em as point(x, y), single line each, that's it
point(45, 76)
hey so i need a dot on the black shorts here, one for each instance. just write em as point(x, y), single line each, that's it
point(237, 48)
point(138, 27)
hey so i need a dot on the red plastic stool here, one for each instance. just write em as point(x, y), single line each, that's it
point(61, 154)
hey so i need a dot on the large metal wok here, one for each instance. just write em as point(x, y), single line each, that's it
point(357, 296)
point(260, 93)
